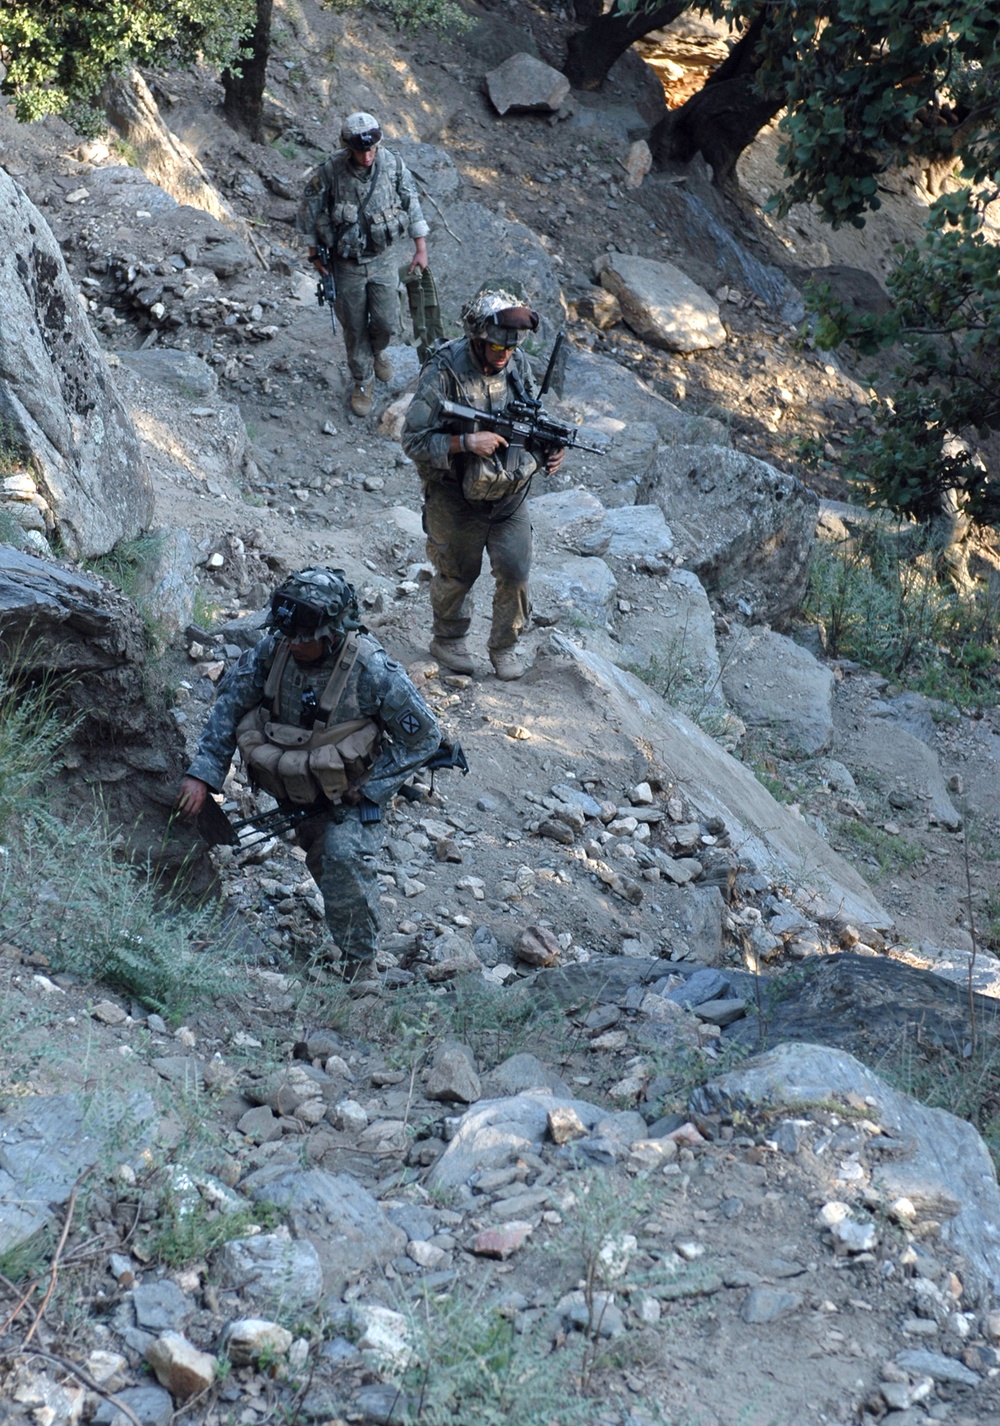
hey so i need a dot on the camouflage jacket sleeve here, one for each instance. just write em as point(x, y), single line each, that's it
point(424, 440)
point(410, 200)
point(410, 730)
point(240, 690)
point(312, 219)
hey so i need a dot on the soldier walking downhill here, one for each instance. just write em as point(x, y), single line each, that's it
point(472, 504)
point(323, 718)
point(357, 205)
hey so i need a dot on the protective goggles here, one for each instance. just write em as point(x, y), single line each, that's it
point(501, 339)
point(367, 139)
point(294, 617)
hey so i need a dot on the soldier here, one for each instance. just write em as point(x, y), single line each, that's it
point(356, 205)
point(471, 504)
point(322, 718)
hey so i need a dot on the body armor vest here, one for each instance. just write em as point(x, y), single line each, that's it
point(303, 763)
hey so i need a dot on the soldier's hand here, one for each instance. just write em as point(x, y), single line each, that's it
point(554, 460)
point(483, 443)
point(191, 797)
point(314, 258)
point(419, 258)
point(353, 796)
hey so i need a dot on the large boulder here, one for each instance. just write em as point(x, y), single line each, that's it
point(62, 412)
point(165, 159)
point(661, 304)
point(526, 84)
point(744, 528)
point(126, 751)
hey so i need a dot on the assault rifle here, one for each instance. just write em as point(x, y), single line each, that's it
point(218, 830)
point(522, 422)
point(326, 288)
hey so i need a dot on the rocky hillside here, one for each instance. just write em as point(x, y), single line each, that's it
point(540, 1177)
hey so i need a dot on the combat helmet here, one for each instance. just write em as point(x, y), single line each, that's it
point(360, 131)
point(495, 315)
point(315, 603)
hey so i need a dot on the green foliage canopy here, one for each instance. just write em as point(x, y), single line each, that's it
point(59, 55)
point(872, 85)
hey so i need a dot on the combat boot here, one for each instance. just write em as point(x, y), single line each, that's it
point(509, 664)
point(383, 367)
point(361, 398)
point(453, 653)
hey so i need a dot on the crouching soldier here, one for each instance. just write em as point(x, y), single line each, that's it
point(324, 719)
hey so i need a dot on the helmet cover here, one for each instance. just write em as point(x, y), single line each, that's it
point(360, 131)
point(496, 316)
point(315, 603)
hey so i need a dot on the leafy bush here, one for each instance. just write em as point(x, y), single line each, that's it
point(61, 55)
point(886, 605)
point(32, 734)
point(472, 1365)
point(91, 911)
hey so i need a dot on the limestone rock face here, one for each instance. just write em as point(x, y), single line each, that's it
point(527, 84)
point(744, 528)
point(57, 396)
point(662, 305)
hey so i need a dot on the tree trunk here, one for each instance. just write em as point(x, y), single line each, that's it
point(725, 115)
point(244, 85)
point(590, 53)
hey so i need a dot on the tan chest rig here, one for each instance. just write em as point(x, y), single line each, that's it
point(304, 765)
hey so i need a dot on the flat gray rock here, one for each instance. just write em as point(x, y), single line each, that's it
point(348, 1229)
point(273, 1271)
point(948, 1175)
point(494, 1131)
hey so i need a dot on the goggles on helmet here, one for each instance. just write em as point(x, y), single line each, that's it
point(295, 617)
point(367, 139)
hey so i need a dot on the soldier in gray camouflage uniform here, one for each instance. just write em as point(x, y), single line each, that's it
point(357, 204)
point(472, 505)
point(314, 616)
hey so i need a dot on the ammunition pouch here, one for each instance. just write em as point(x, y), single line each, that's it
point(301, 765)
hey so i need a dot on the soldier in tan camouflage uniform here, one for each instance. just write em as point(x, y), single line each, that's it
point(357, 205)
point(472, 505)
point(323, 718)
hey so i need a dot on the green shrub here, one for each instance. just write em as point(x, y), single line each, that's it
point(885, 601)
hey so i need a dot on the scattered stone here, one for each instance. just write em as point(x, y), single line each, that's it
point(180, 1366)
point(564, 1125)
point(246, 1339)
point(538, 946)
point(453, 1076)
point(501, 1242)
point(767, 1304)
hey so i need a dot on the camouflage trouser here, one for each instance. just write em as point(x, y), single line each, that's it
point(458, 533)
point(341, 854)
point(367, 307)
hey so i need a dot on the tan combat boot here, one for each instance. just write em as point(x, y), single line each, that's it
point(453, 653)
point(509, 664)
point(361, 398)
point(383, 367)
